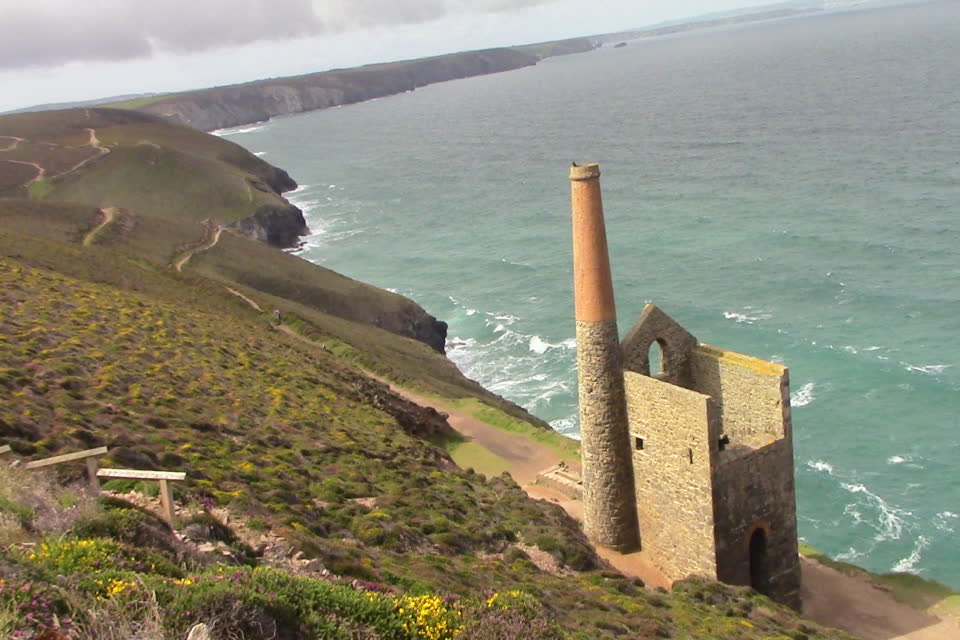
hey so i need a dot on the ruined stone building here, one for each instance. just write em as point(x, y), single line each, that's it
point(692, 464)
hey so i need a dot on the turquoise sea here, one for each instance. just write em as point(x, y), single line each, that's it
point(789, 190)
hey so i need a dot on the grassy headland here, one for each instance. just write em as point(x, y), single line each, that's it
point(136, 315)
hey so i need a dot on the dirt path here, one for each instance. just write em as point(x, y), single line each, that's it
point(12, 145)
point(524, 457)
point(250, 302)
point(108, 214)
point(41, 172)
point(860, 607)
point(93, 142)
point(205, 246)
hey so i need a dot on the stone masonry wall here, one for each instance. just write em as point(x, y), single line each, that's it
point(757, 490)
point(610, 516)
point(673, 474)
point(748, 392)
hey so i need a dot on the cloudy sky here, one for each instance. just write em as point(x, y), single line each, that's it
point(65, 50)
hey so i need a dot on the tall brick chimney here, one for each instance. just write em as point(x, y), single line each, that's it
point(609, 502)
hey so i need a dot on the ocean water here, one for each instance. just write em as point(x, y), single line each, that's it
point(789, 190)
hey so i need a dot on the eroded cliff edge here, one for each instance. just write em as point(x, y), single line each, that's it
point(234, 105)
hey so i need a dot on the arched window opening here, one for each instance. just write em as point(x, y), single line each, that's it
point(759, 561)
point(656, 358)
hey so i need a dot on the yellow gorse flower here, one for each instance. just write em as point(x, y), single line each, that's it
point(428, 617)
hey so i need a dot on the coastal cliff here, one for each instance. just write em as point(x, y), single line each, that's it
point(234, 105)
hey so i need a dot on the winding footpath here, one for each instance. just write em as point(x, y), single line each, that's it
point(107, 214)
point(92, 141)
point(12, 145)
point(41, 172)
point(209, 243)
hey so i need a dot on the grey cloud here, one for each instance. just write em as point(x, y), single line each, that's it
point(43, 33)
point(51, 32)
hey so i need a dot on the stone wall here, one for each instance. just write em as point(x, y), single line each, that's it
point(673, 473)
point(610, 516)
point(751, 491)
point(748, 392)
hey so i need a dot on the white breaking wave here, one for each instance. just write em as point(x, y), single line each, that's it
point(931, 369)
point(259, 153)
point(945, 520)
point(802, 396)
point(539, 345)
point(820, 465)
point(747, 316)
point(899, 459)
point(232, 131)
point(890, 519)
point(567, 426)
point(909, 564)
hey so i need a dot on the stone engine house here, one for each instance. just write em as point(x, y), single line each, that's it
point(692, 464)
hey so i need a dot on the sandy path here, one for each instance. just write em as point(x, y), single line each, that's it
point(13, 145)
point(250, 302)
point(526, 457)
point(41, 172)
point(93, 142)
point(209, 244)
point(856, 605)
point(108, 214)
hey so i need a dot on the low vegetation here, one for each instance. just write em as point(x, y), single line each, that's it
point(317, 503)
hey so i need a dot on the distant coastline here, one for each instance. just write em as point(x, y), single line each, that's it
point(257, 101)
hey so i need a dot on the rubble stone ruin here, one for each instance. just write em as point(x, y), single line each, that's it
point(692, 463)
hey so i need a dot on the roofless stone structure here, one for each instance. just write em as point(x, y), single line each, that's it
point(693, 463)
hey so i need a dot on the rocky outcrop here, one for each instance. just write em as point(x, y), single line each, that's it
point(416, 323)
point(278, 225)
point(234, 105)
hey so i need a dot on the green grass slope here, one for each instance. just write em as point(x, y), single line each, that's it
point(111, 157)
point(133, 325)
point(296, 440)
point(171, 189)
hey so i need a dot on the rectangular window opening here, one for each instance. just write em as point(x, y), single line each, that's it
point(638, 443)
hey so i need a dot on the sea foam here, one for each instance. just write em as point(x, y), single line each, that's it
point(803, 396)
point(820, 465)
point(909, 564)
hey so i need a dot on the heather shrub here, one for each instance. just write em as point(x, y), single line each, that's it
point(509, 615)
point(30, 610)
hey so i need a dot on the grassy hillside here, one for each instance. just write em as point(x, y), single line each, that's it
point(318, 503)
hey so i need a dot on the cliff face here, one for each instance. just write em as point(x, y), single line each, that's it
point(279, 225)
point(222, 107)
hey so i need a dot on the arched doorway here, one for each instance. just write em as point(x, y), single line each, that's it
point(759, 562)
